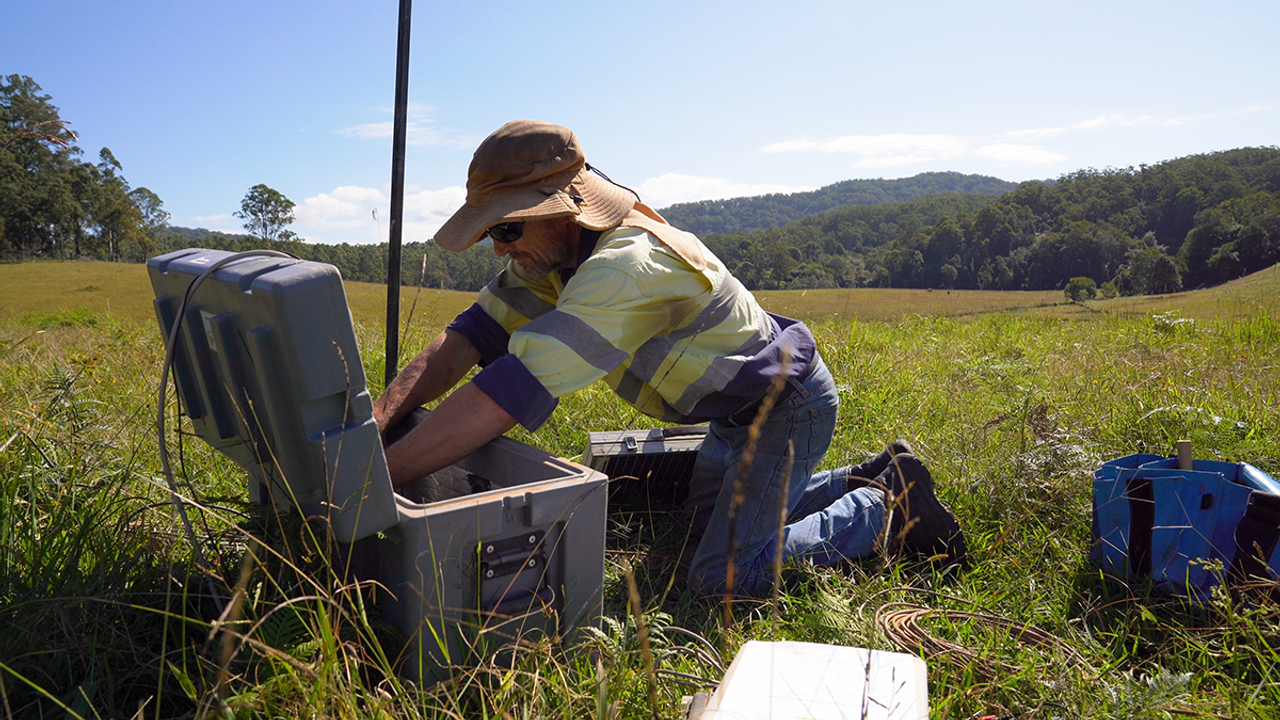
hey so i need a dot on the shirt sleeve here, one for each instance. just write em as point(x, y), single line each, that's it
point(509, 384)
point(486, 335)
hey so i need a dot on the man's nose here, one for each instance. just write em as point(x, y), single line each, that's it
point(500, 248)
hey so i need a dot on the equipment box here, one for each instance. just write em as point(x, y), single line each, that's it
point(518, 551)
point(648, 469)
point(269, 372)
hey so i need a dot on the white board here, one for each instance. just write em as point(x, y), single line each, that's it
point(810, 681)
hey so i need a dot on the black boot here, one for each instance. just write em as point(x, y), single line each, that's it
point(919, 524)
point(862, 475)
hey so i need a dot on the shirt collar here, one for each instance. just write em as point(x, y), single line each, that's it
point(586, 245)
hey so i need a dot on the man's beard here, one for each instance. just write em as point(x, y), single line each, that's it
point(536, 269)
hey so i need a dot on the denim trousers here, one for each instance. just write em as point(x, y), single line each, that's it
point(825, 523)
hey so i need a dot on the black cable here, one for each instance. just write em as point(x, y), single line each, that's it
point(596, 170)
point(179, 504)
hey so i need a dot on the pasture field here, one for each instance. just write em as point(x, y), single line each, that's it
point(1012, 399)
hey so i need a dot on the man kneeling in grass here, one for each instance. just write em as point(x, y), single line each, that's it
point(598, 286)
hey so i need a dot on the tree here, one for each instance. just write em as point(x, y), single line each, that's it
point(37, 159)
point(153, 220)
point(266, 213)
point(1080, 289)
point(948, 273)
point(51, 204)
point(1164, 276)
point(114, 213)
point(1149, 272)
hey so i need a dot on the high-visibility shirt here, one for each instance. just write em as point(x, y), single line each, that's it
point(679, 344)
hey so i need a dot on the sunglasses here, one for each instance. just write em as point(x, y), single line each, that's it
point(506, 233)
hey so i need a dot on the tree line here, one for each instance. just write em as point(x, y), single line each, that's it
point(421, 263)
point(1189, 222)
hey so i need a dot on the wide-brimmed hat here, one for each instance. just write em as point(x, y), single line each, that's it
point(530, 170)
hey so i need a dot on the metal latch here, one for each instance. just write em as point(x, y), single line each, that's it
point(513, 567)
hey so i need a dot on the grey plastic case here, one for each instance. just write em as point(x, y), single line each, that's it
point(269, 373)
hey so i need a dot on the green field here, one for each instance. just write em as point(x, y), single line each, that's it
point(1012, 399)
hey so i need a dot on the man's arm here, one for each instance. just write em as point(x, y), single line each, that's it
point(428, 376)
point(456, 428)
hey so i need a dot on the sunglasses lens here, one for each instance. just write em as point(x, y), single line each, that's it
point(506, 232)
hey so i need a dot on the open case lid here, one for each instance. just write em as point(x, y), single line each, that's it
point(269, 373)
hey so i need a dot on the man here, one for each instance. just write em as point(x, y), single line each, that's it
point(599, 286)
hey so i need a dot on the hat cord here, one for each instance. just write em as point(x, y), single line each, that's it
point(596, 170)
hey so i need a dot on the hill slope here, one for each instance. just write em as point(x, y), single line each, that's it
point(747, 214)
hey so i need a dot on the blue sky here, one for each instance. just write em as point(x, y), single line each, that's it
point(680, 100)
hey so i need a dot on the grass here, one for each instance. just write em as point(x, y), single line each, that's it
point(104, 614)
point(124, 291)
point(888, 305)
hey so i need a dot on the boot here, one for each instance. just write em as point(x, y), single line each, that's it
point(862, 475)
point(919, 523)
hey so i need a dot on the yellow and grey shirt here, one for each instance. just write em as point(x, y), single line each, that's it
point(679, 344)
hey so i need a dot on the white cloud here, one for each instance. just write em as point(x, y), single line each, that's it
point(673, 188)
point(1097, 123)
point(897, 160)
point(415, 133)
point(368, 130)
point(1035, 133)
point(344, 202)
point(220, 222)
point(1103, 121)
point(419, 129)
point(900, 149)
point(432, 207)
point(879, 151)
point(1018, 154)
point(347, 210)
point(219, 218)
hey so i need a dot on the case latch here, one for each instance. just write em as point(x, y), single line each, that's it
point(512, 568)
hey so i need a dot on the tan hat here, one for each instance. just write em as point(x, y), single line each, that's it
point(529, 170)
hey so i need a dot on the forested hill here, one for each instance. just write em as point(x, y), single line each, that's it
point(195, 235)
point(1190, 222)
point(747, 214)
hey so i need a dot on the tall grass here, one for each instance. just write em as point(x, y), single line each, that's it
point(104, 614)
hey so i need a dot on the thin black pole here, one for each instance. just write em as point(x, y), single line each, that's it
point(398, 142)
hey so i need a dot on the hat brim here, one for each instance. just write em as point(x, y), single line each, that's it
point(603, 206)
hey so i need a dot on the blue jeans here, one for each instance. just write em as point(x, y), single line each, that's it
point(826, 523)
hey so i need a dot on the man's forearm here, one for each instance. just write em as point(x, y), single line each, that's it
point(428, 376)
point(457, 427)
